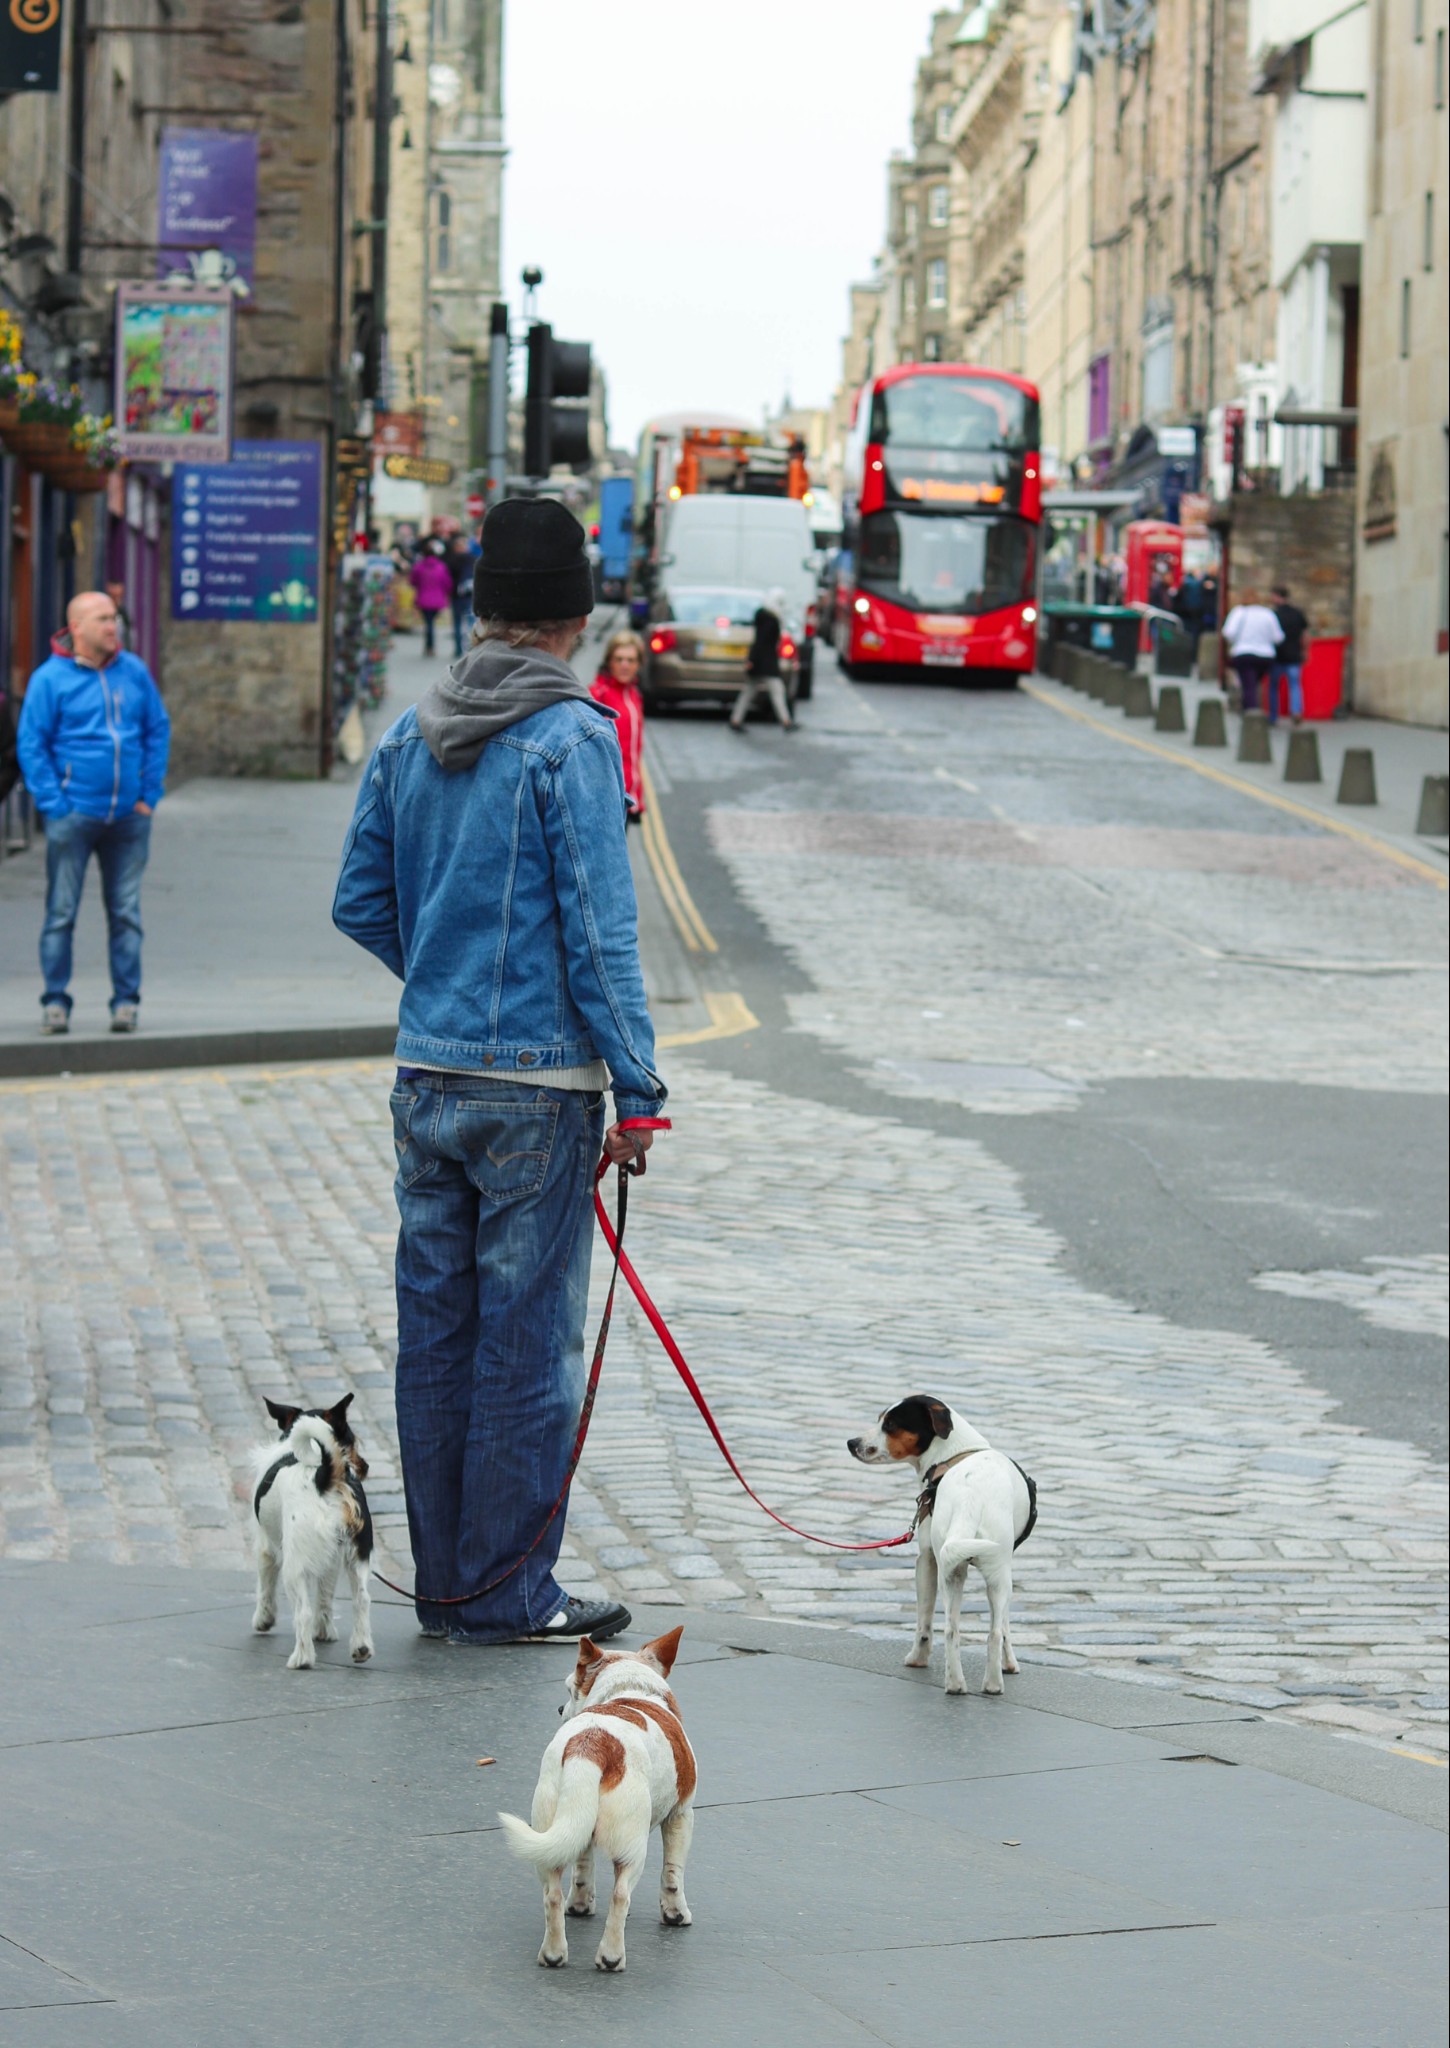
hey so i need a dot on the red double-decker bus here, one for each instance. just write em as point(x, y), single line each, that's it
point(942, 503)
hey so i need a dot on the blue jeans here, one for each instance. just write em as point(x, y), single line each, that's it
point(494, 1199)
point(120, 849)
point(1288, 672)
point(462, 619)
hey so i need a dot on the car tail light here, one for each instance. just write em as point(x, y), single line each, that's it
point(662, 640)
point(787, 648)
point(813, 621)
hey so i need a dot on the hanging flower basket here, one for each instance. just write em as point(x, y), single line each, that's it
point(9, 412)
point(39, 442)
point(75, 474)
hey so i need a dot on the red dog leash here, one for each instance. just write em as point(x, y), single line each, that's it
point(614, 1238)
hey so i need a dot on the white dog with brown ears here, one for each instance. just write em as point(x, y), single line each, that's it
point(976, 1506)
point(312, 1518)
point(622, 1768)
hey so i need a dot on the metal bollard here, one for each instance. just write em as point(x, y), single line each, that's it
point(1210, 728)
point(1434, 819)
point(1356, 777)
point(1254, 737)
point(1170, 710)
point(1137, 696)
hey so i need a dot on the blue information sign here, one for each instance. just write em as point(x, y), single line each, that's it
point(245, 534)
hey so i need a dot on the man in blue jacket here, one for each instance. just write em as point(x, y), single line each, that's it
point(486, 866)
point(93, 742)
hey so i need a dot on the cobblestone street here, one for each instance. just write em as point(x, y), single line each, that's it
point(183, 1245)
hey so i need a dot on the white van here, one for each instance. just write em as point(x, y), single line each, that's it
point(721, 540)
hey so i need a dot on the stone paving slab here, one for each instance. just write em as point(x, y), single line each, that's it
point(181, 1245)
point(219, 1847)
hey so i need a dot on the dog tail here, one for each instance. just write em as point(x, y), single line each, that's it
point(572, 1829)
point(960, 1551)
point(310, 1442)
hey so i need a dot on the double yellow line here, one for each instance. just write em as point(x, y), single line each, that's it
point(729, 1013)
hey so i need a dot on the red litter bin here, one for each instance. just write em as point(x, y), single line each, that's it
point(1322, 679)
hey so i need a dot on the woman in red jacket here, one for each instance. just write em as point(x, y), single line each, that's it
point(617, 686)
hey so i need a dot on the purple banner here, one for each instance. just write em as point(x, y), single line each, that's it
point(207, 206)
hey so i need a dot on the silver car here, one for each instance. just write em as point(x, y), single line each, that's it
point(699, 642)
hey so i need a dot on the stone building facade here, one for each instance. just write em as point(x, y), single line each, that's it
point(1403, 554)
point(920, 224)
point(444, 248)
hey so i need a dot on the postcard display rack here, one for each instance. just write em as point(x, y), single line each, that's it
point(360, 645)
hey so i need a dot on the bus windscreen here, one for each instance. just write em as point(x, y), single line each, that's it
point(959, 415)
point(935, 562)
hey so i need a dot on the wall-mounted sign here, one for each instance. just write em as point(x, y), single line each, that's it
point(417, 469)
point(246, 535)
point(206, 207)
point(173, 373)
point(398, 433)
point(30, 39)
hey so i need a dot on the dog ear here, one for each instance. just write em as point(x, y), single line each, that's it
point(336, 1417)
point(940, 1416)
point(589, 1660)
point(282, 1415)
point(664, 1650)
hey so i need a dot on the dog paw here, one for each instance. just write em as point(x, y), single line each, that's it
point(918, 1659)
point(552, 1962)
point(361, 1652)
point(580, 1909)
point(614, 1964)
point(1011, 1666)
point(262, 1622)
point(301, 1660)
point(988, 1686)
point(676, 1916)
point(955, 1685)
point(325, 1633)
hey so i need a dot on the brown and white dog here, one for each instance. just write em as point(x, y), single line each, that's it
point(621, 1768)
point(312, 1518)
point(976, 1507)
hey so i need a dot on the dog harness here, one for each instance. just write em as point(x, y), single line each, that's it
point(926, 1499)
point(321, 1480)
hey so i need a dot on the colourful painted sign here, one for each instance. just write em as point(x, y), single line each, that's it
point(206, 206)
point(174, 373)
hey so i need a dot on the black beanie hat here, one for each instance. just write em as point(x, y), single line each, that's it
point(532, 564)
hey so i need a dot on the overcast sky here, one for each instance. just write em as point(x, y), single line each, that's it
point(699, 184)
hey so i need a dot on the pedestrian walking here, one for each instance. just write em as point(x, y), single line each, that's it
point(486, 866)
point(460, 559)
point(762, 667)
point(93, 743)
point(1252, 635)
point(1208, 584)
point(617, 688)
point(1288, 667)
point(432, 582)
point(1188, 603)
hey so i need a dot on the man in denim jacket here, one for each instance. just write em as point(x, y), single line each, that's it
point(486, 866)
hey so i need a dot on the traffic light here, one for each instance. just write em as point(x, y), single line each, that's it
point(556, 422)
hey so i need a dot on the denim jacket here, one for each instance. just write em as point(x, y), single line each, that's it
point(502, 896)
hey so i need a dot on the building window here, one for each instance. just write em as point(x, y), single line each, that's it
point(1100, 417)
point(1427, 254)
point(936, 282)
point(936, 206)
point(1157, 369)
point(1418, 18)
point(931, 348)
point(443, 243)
point(1439, 67)
point(1405, 318)
point(908, 297)
point(944, 121)
point(908, 220)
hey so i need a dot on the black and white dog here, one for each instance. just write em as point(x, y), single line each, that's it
point(312, 1518)
point(975, 1507)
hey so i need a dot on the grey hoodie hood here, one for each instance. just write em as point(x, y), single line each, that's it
point(486, 690)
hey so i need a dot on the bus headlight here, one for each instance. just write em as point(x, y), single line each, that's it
point(863, 605)
point(1029, 614)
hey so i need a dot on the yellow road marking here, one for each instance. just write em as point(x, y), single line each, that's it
point(688, 922)
point(729, 1016)
point(1420, 1756)
point(1265, 796)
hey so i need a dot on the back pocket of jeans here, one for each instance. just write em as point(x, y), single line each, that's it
point(413, 1161)
point(505, 1146)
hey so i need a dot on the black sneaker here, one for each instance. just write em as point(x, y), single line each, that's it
point(597, 1619)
